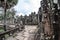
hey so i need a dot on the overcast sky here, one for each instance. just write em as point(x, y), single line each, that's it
point(27, 6)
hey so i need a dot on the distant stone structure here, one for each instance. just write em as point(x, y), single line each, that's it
point(32, 19)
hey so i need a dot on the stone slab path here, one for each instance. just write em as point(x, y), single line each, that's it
point(27, 34)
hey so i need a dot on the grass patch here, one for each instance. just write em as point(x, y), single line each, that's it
point(6, 35)
point(1, 29)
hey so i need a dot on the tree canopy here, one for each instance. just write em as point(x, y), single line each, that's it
point(9, 3)
point(9, 14)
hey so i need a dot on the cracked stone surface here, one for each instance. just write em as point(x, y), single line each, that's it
point(27, 34)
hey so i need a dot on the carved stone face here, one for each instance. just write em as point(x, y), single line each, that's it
point(55, 1)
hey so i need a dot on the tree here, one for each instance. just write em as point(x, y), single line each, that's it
point(7, 4)
point(10, 14)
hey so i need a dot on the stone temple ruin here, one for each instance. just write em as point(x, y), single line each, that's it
point(45, 25)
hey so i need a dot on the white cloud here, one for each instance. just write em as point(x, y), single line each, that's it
point(35, 4)
point(27, 7)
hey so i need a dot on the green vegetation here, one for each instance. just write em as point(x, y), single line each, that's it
point(9, 3)
point(1, 17)
point(1, 29)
